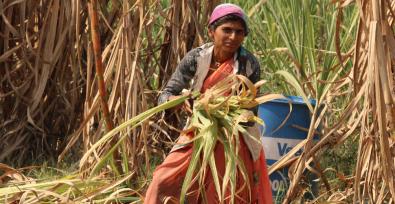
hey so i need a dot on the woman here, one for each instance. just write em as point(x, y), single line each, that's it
point(227, 28)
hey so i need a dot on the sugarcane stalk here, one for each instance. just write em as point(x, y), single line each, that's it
point(382, 63)
point(100, 79)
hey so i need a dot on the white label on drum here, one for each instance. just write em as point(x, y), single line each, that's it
point(275, 148)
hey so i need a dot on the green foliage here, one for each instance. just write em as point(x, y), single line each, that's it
point(299, 37)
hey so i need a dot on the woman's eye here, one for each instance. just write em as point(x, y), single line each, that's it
point(240, 32)
point(226, 29)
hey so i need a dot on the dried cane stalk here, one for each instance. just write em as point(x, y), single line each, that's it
point(100, 79)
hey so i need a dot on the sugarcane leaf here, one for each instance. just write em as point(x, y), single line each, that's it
point(214, 172)
point(243, 169)
point(210, 141)
point(215, 108)
point(113, 149)
point(286, 157)
point(200, 177)
point(233, 173)
point(261, 99)
point(197, 148)
point(257, 120)
point(291, 79)
point(227, 171)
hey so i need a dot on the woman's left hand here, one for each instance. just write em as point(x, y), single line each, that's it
point(184, 106)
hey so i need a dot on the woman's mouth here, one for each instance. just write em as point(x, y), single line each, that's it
point(230, 44)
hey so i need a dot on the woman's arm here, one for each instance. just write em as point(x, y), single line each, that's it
point(180, 79)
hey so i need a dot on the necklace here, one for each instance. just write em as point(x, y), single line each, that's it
point(216, 63)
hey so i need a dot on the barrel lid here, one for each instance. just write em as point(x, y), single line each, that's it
point(295, 100)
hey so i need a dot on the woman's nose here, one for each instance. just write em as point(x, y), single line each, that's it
point(233, 36)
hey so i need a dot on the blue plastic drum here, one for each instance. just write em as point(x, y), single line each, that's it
point(279, 143)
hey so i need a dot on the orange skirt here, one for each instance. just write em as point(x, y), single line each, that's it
point(168, 178)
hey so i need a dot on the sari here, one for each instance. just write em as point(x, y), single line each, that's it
point(168, 178)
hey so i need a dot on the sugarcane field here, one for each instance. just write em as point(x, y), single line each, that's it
point(197, 101)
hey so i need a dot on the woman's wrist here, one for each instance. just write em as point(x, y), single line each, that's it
point(172, 97)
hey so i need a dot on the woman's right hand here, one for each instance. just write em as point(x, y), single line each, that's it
point(184, 106)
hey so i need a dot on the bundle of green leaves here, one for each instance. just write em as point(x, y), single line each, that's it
point(217, 118)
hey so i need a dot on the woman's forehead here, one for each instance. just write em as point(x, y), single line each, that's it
point(236, 24)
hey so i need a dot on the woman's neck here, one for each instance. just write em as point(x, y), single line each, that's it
point(221, 56)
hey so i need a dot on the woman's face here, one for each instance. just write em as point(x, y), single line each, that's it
point(228, 36)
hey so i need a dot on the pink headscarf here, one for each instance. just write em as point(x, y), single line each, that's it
point(226, 9)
